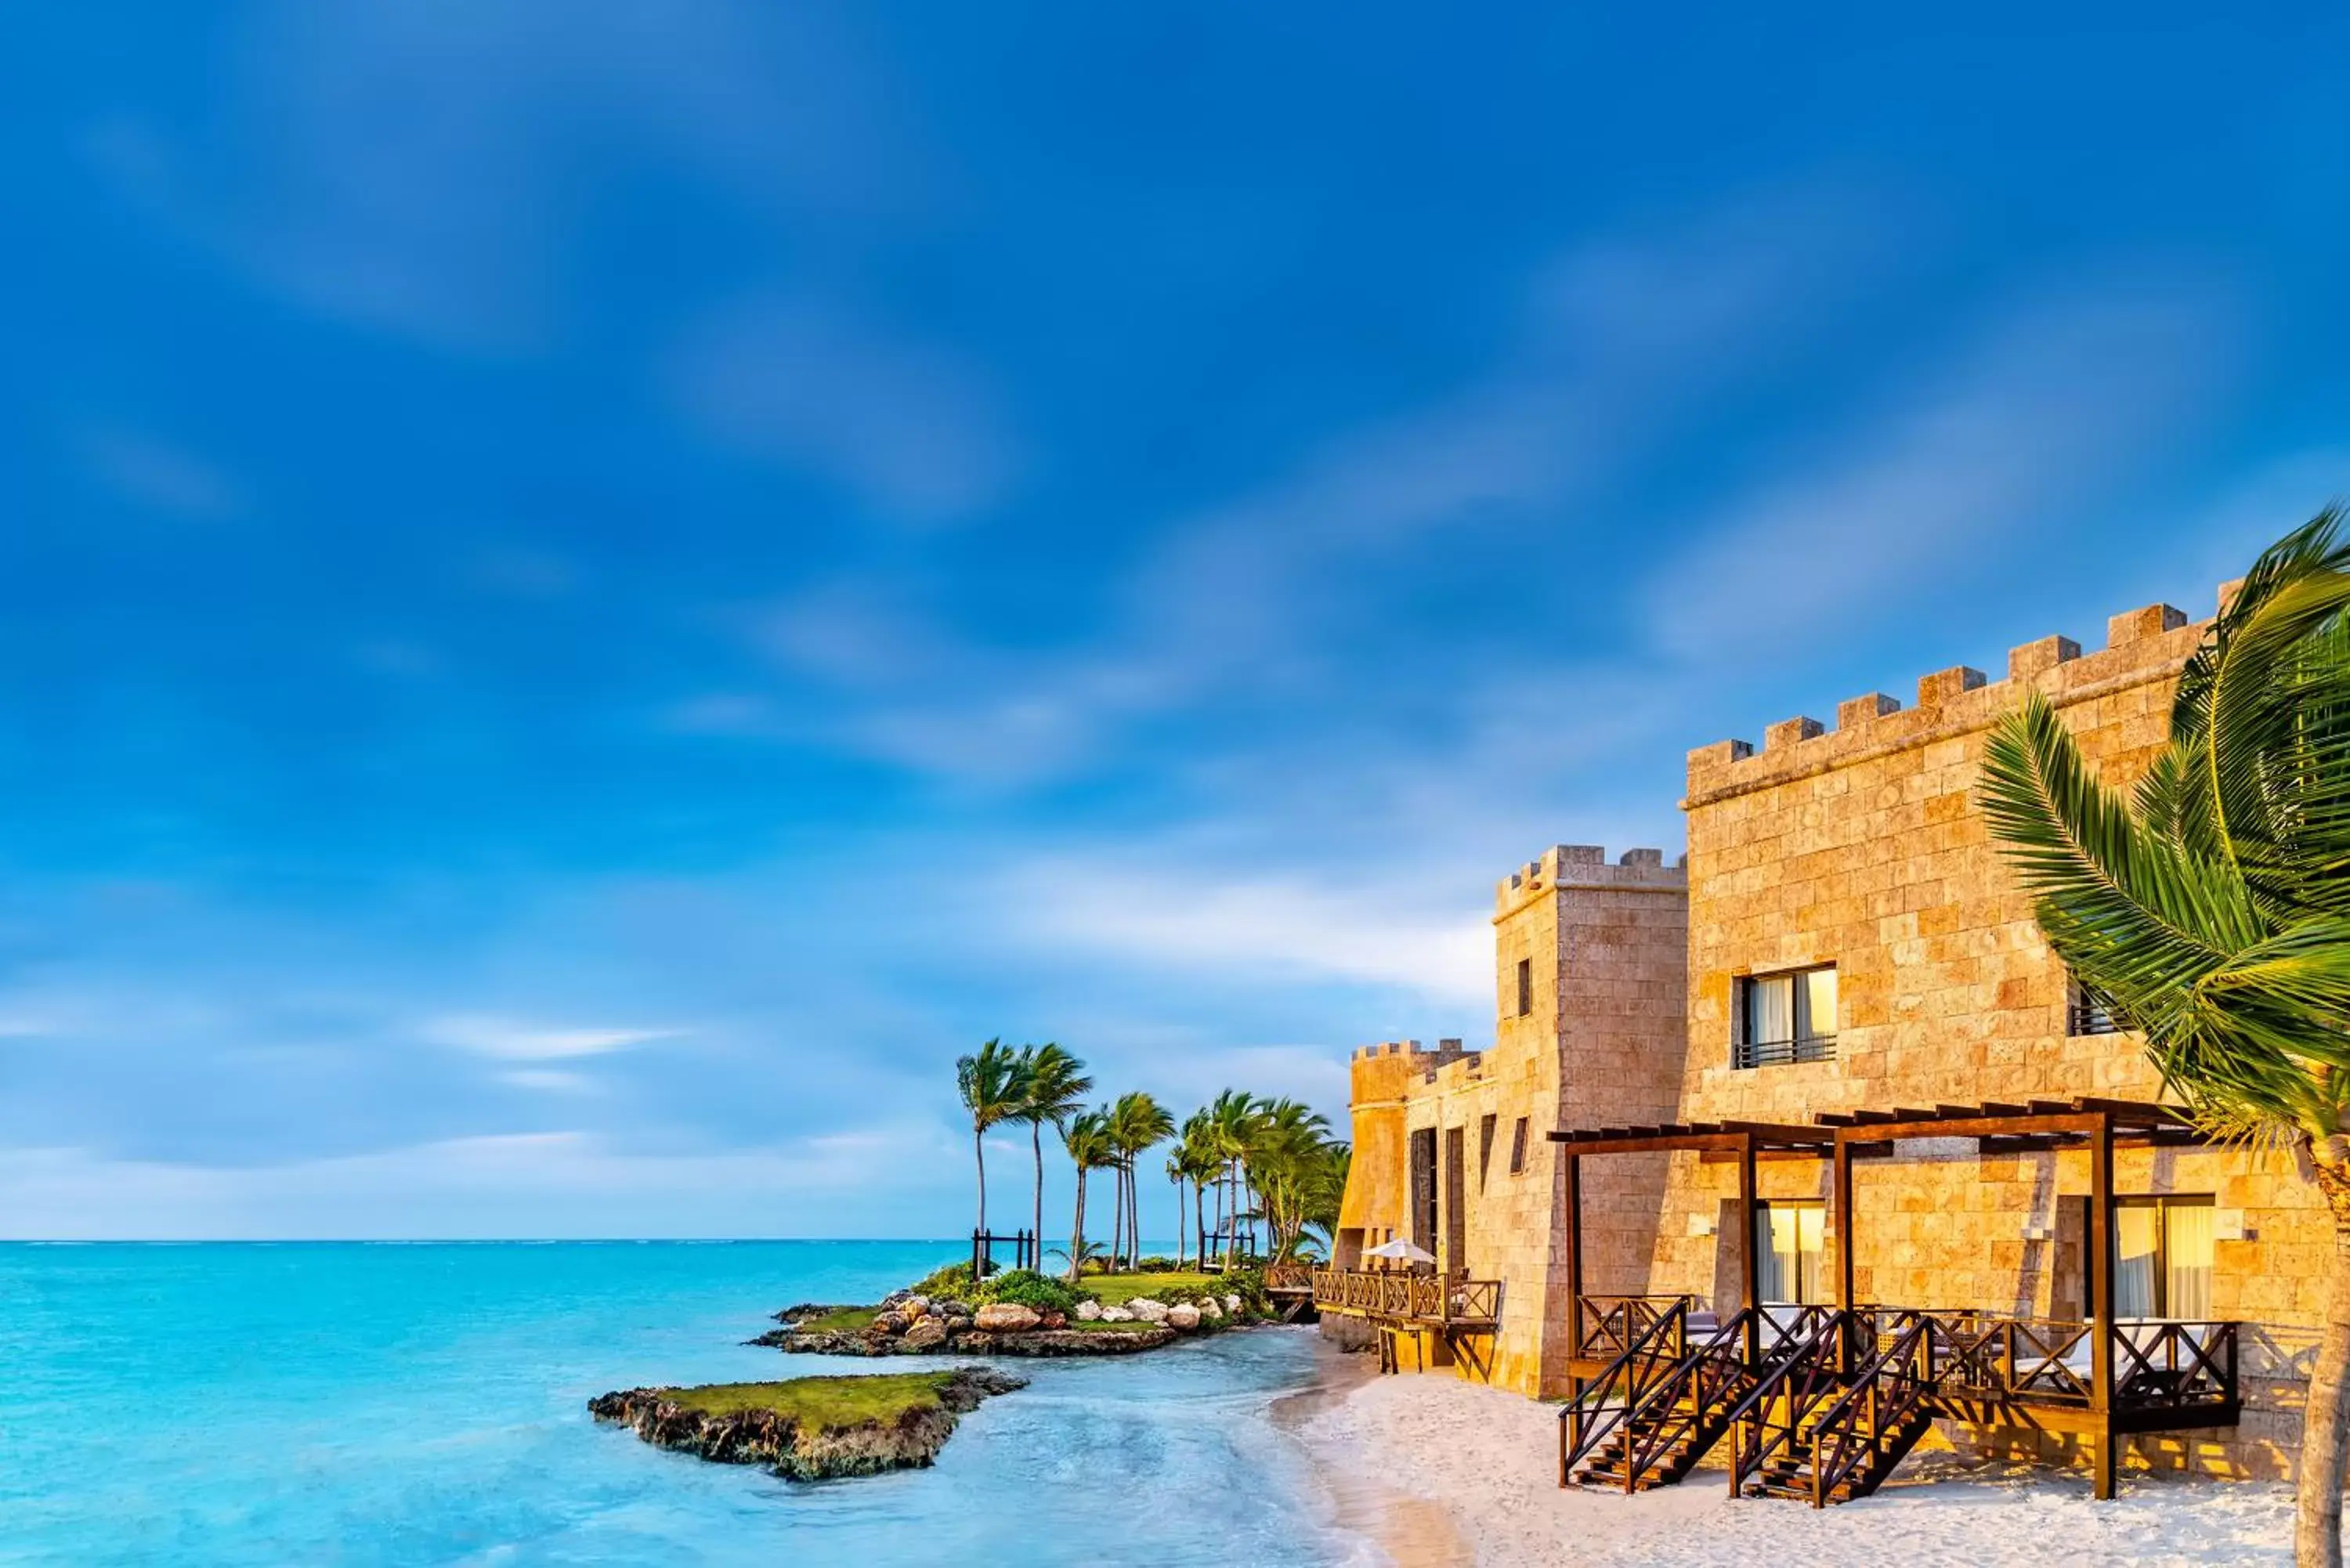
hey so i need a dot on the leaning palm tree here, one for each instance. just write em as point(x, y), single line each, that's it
point(2212, 909)
point(1087, 1137)
point(1055, 1087)
point(1137, 1123)
point(989, 1081)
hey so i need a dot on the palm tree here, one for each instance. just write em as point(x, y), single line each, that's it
point(1293, 1161)
point(2212, 910)
point(1193, 1164)
point(1087, 1137)
point(1177, 1178)
point(1137, 1122)
point(1232, 1126)
point(989, 1081)
point(1055, 1088)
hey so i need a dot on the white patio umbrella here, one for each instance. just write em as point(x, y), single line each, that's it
point(1402, 1252)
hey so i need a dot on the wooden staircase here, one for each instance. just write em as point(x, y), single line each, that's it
point(1824, 1438)
point(1651, 1415)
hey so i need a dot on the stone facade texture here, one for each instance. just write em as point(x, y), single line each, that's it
point(1602, 948)
point(1857, 846)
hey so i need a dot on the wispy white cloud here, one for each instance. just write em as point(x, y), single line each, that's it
point(454, 224)
point(549, 1081)
point(910, 428)
point(1269, 928)
point(517, 1040)
point(1617, 341)
point(552, 1184)
point(2041, 412)
point(157, 474)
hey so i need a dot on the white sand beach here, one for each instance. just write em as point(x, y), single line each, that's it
point(1487, 1459)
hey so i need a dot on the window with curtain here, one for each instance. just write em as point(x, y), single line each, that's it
point(1785, 1018)
point(1788, 1252)
point(2162, 1257)
point(2086, 1011)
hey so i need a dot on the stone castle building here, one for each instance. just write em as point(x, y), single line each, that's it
point(1842, 946)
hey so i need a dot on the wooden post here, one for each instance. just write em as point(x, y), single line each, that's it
point(1574, 1163)
point(1840, 1202)
point(1746, 1285)
point(2101, 1301)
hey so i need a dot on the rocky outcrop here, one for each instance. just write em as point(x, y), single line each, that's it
point(913, 1325)
point(795, 1449)
point(1063, 1341)
point(1007, 1317)
point(932, 1337)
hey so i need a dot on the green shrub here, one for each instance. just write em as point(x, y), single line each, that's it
point(1025, 1287)
point(1156, 1265)
point(1249, 1285)
point(953, 1281)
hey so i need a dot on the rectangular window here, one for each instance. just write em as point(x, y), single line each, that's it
point(1525, 987)
point(1423, 1189)
point(1788, 1252)
point(1785, 1018)
point(1485, 1149)
point(1456, 1200)
point(2086, 1011)
point(1518, 1147)
point(2162, 1257)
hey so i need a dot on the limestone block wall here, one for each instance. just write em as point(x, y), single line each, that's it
point(1861, 846)
point(1623, 978)
point(1600, 1034)
point(1375, 1207)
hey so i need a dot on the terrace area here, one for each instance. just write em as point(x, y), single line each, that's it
point(1821, 1401)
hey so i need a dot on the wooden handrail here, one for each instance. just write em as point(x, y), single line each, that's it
point(1605, 1326)
point(1429, 1298)
point(1591, 1415)
point(1889, 1389)
point(1803, 1379)
point(1695, 1390)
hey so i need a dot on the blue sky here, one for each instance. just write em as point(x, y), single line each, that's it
point(589, 591)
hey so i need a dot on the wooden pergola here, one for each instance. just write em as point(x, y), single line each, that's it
point(2097, 1126)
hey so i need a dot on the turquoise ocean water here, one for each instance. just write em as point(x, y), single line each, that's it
point(325, 1403)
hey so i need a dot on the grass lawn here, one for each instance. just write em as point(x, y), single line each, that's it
point(819, 1402)
point(1097, 1326)
point(845, 1320)
point(1116, 1289)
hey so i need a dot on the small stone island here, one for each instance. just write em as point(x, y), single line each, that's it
point(1023, 1314)
point(810, 1428)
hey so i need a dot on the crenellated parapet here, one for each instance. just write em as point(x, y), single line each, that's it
point(2141, 645)
point(1422, 1056)
point(1587, 866)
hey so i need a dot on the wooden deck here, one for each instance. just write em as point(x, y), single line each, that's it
point(1821, 1403)
point(2063, 1377)
point(1398, 1299)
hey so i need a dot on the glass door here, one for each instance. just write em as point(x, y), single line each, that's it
point(1788, 1252)
point(2162, 1257)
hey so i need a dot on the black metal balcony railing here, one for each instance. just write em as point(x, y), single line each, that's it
point(1783, 1053)
point(2084, 1016)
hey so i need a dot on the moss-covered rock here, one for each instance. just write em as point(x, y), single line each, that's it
point(810, 1428)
